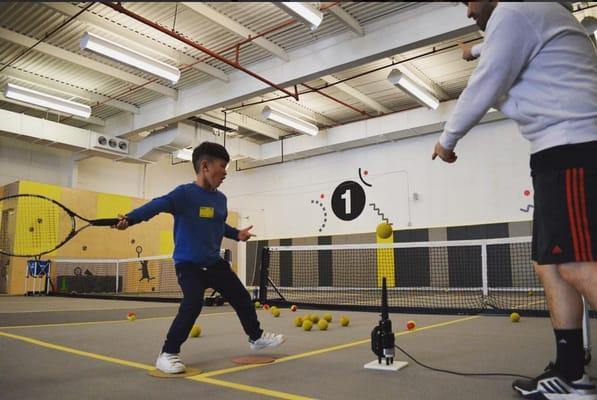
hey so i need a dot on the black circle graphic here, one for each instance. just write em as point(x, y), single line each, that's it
point(348, 200)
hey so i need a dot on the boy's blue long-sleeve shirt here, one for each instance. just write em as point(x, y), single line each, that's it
point(199, 222)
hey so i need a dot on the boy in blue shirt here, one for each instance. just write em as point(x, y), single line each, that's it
point(200, 212)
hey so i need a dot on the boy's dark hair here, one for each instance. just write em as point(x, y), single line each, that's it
point(209, 151)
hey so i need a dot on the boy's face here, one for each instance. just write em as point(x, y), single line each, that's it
point(213, 171)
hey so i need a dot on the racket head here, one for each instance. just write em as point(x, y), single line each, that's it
point(33, 225)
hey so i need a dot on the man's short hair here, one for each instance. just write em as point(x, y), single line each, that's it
point(209, 151)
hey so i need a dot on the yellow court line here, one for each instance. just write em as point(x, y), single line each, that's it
point(329, 349)
point(247, 388)
point(77, 352)
point(95, 356)
point(102, 322)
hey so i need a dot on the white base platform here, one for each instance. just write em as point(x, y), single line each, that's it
point(395, 366)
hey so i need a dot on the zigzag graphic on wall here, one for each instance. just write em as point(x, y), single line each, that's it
point(382, 215)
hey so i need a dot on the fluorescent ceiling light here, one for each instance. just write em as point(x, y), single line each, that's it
point(289, 120)
point(20, 93)
point(107, 48)
point(303, 12)
point(399, 80)
point(184, 154)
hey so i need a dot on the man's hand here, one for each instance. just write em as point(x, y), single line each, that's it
point(467, 51)
point(122, 224)
point(447, 155)
point(244, 234)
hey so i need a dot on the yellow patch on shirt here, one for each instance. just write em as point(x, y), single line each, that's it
point(206, 212)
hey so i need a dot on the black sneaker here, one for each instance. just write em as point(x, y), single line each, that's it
point(550, 385)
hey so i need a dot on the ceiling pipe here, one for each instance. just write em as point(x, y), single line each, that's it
point(205, 50)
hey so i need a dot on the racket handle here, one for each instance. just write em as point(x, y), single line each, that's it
point(104, 222)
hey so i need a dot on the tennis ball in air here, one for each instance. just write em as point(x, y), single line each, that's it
point(327, 317)
point(410, 325)
point(266, 307)
point(293, 308)
point(384, 230)
point(276, 312)
point(515, 317)
point(344, 321)
point(195, 331)
point(257, 304)
point(314, 318)
point(307, 325)
point(322, 324)
point(131, 316)
point(298, 321)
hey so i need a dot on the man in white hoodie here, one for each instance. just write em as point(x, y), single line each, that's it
point(539, 67)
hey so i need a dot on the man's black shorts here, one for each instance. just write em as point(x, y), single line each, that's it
point(565, 216)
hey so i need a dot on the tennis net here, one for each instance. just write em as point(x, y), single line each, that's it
point(140, 277)
point(460, 276)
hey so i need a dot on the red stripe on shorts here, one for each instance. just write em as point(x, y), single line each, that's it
point(571, 214)
point(585, 219)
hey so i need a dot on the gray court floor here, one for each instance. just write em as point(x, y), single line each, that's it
point(61, 348)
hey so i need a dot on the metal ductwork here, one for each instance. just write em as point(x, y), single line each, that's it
point(156, 145)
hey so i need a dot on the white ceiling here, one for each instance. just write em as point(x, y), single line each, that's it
point(116, 92)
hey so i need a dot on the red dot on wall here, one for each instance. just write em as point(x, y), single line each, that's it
point(321, 196)
point(527, 192)
point(365, 172)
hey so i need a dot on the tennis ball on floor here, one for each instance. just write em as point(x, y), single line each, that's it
point(531, 293)
point(322, 324)
point(344, 321)
point(276, 312)
point(306, 317)
point(384, 230)
point(257, 304)
point(293, 308)
point(298, 322)
point(314, 318)
point(515, 317)
point(410, 325)
point(327, 317)
point(266, 307)
point(307, 325)
point(131, 316)
point(195, 331)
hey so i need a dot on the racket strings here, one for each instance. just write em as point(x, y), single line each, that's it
point(32, 225)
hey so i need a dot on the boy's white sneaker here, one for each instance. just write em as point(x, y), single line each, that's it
point(170, 363)
point(267, 340)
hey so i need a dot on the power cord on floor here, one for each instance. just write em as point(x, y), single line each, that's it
point(459, 373)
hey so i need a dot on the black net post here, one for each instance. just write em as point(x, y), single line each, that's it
point(264, 274)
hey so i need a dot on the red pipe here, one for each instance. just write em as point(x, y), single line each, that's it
point(207, 51)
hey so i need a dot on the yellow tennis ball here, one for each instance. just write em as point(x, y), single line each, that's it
point(344, 321)
point(195, 331)
point(273, 308)
point(384, 230)
point(306, 317)
point(298, 321)
point(307, 325)
point(515, 317)
point(276, 312)
point(322, 324)
point(327, 317)
point(314, 318)
point(257, 304)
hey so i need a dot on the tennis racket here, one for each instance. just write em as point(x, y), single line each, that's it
point(33, 225)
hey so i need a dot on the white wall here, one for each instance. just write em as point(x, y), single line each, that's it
point(108, 176)
point(485, 185)
point(20, 160)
